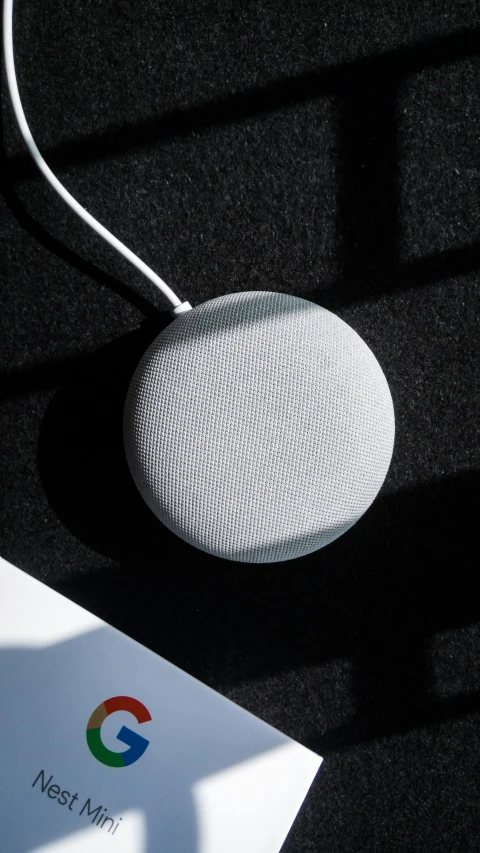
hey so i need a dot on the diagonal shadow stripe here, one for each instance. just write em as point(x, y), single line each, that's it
point(421, 715)
point(33, 378)
point(408, 275)
point(269, 98)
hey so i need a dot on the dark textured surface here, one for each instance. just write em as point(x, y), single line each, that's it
point(330, 150)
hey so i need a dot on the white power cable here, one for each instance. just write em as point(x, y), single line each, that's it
point(178, 306)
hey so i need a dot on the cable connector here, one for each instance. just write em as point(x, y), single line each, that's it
point(181, 309)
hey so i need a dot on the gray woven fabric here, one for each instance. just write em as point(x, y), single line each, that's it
point(258, 427)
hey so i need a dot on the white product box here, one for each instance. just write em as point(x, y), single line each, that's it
point(106, 746)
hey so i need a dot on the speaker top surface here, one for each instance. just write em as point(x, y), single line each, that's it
point(258, 426)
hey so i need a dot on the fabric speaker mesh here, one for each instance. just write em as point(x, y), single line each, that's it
point(258, 427)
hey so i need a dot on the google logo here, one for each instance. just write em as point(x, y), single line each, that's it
point(137, 744)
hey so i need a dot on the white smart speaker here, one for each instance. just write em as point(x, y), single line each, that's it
point(258, 427)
